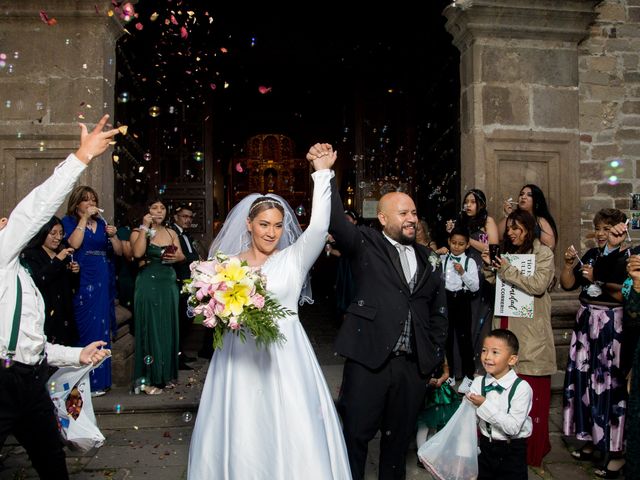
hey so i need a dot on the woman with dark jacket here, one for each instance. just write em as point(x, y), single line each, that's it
point(56, 276)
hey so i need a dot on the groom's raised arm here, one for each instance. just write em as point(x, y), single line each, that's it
point(344, 232)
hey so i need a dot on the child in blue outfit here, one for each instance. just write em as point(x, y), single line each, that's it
point(504, 401)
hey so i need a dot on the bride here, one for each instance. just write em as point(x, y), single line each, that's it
point(267, 413)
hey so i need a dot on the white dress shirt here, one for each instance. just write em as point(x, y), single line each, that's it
point(25, 221)
point(504, 426)
point(453, 281)
point(411, 254)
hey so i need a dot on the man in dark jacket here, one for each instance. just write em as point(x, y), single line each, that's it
point(183, 217)
point(394, 332)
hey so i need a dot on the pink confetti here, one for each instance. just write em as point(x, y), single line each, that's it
point(128, 10)
point(173, 20)
point(264, 90)
point(239, 168)
point(45, 18)
point(139, 26)
point(213, 86)
point(223, 50)
point(183, 32)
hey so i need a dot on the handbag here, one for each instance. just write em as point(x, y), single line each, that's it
point(452, 453)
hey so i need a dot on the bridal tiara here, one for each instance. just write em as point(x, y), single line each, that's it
point(262, 202)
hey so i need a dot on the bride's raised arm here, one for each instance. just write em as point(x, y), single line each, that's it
point(312, 241)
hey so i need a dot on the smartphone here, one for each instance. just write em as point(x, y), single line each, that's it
point(494, 252)
point(169, 249)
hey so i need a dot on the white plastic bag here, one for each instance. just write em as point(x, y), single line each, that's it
point(70, 391)
point(452, 453)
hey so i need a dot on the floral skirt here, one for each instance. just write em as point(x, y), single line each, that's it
point(595, 394)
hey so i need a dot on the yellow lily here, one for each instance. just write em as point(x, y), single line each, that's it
point(234, 299)
point(232, 271)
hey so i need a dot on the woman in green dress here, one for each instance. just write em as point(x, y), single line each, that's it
point(156, 302)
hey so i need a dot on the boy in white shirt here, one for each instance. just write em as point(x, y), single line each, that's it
point(504, 401)
point(461, 282)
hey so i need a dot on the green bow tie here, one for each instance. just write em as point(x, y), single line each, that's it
point(457, 259)
point(496, 387)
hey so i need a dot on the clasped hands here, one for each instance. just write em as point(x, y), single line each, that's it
point(322, 156)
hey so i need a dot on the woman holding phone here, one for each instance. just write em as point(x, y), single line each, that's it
point(156, 302)
point(537, 355)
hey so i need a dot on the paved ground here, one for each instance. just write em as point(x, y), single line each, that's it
point(148, 436)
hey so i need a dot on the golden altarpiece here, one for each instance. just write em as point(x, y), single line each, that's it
point(271, 166)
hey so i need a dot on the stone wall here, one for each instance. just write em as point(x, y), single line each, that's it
point(51, 77)
point(519, 116)
point(609, 103)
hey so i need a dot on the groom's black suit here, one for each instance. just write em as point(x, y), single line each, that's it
point(382, 389)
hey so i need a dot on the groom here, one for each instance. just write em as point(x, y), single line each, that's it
point(394, 331)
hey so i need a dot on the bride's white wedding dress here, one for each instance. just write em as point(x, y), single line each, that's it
point(267, 413)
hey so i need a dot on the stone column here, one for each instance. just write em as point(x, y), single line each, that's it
point(52, 77)
point(519, 111)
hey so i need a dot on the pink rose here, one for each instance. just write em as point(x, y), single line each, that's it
point(210, 322)
point(258, 301)
point(219, 308)
point(233, 323)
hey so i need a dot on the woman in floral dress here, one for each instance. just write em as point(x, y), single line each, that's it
point(594, 389)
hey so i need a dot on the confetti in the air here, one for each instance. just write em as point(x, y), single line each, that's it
point(45, 18)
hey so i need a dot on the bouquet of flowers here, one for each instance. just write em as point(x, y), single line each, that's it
point(228, 295)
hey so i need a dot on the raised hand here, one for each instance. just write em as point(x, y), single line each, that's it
point(507, 207)
point(94, 143)
point(91, 211)
point(147, 220)
point(450, 225)
point(322, 156)
point(64, 253)
point(570, 255)
point(633, 268)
